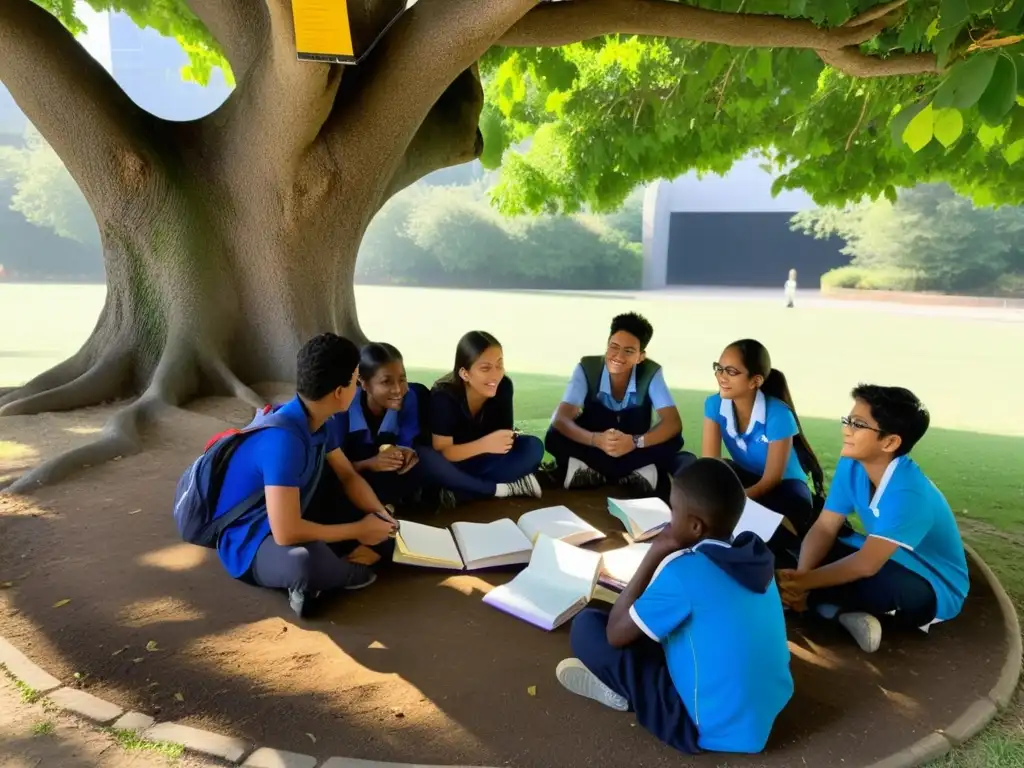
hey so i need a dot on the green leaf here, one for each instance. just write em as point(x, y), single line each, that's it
point(920, 129)
point(1001, 93)
point(1016, 128)
point(953, 12)
point(949, 125)
point(1008, 21)
point(890, 194)
point(989, 136)
point(1014, 152)
point(966, 82)
point(903, 118)
point(983, 198)
point(943, 44)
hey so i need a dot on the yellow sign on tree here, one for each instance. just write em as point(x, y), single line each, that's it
point(324, 31)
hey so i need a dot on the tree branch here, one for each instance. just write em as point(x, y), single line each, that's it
point(449, 135)
point(570, 21)
point(97, 130)
point(238, 26)
point(382, 108)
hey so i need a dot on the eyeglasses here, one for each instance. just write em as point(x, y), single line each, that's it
point(856, 424)
point(728, 370)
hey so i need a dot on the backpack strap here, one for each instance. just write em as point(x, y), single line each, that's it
point(645, 373)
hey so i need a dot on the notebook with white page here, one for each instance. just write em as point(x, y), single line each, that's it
point(619, 565)
point(643, 518)
point(559, 523)
point(467, 546)
point(554, 587)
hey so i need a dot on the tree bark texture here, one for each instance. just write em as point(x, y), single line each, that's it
point(230, 240)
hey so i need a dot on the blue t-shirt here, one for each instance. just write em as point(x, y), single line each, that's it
point(725, 646)
point(272, 456)
point(909, 510)
point(351, 426)
point(576, 392)
point(770, 420)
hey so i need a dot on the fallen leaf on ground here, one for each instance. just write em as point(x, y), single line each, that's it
point(135, 512)
point(532, 690)
point(138, 660)
point(312, 737)
point(6, 585)
point(62, 603)
point(152, 646)
point(119, 651)
point(178, 697)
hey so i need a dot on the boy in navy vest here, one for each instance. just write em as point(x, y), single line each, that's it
point(911, 568)
point(696, 643)
point(309, 532)
point(602, 431)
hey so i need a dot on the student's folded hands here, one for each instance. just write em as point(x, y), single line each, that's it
point(409, 460)
point(391, 459)
point(793, 595)
point(614, 443)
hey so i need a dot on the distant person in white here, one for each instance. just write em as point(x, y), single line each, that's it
point(791, 289)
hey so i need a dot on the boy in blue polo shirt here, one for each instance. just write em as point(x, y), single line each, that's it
point(696, 643)
point(911, 566)
point(305, 531)
point(602, 430)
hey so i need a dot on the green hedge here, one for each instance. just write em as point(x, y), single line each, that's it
point(872, 279)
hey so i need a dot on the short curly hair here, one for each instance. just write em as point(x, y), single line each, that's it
point(325, 362)
point(898, 411)
point(635, 325)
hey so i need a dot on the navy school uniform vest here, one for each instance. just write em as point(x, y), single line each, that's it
point(596, 417)
point(361, 444)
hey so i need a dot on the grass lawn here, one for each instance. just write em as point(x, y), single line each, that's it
point(963, 365)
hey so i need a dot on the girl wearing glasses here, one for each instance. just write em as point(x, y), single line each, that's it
point(753, 414)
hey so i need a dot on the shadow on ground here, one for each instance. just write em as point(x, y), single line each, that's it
point(414, 669)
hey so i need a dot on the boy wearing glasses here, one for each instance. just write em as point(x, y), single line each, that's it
point(602, 431)
point(911, 565)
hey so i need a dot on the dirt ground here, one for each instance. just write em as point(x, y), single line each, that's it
point(416, 668)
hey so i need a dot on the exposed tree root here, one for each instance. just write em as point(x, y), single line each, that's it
point(61, 374)
point(103, 382)
point(221, 375)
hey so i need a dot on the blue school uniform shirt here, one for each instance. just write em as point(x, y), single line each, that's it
point(272, 456)
point(909, 510)
point(352, 424)
point(770, 420)
point(576, 391)
point(724, 640)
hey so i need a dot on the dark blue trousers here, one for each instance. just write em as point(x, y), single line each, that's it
point(478, 477)
point(665, 456)
point(393, 488)
point(638, 672)
point(316, 566)
point(893, 588)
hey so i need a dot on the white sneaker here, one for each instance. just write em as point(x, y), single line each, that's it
point(580, 475)
point(528, 485)
point(575, 677)
point(865, 628)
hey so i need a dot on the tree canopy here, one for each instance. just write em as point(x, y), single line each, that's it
point(845, 98)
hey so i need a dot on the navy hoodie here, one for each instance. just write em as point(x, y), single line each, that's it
point(748, 561)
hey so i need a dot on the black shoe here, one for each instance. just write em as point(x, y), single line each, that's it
point(446, 499)
point(299, 601)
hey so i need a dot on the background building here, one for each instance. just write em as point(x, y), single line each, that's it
point(730, 231)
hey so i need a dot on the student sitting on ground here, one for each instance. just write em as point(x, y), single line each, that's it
point(307, 530)
point(381, 429)
point(912, 566)
point(696, 643)
point(754, 415)
point(602, 431)
point(475, 451)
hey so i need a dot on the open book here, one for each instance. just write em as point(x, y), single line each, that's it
point(619, 565)
point(472, 546)
point(554, 587)
point(645, 518)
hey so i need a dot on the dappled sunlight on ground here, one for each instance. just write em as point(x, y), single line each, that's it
point(158, 610)
point(176, 557)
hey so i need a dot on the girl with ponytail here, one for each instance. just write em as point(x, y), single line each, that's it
point(754, 415)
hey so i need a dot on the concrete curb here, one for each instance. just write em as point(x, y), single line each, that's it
point(936, 744)
point(978, 715)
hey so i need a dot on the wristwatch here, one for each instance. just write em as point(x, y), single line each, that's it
point(638, 441)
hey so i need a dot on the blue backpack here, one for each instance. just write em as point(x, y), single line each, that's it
point(195, 498)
